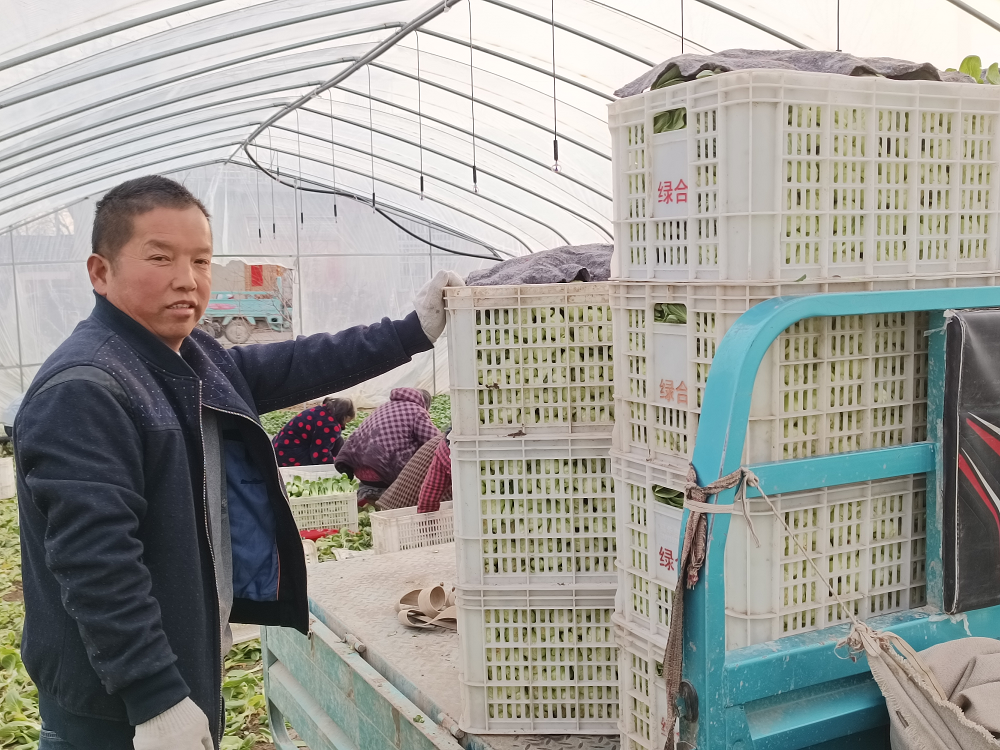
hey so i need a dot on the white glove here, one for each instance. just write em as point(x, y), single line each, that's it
point(429, 303)
point(183, 727)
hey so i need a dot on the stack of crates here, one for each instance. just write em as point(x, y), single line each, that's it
point(532, 394)
point(783, 183)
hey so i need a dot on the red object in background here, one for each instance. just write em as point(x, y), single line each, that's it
point(315, 534)
point(256, 275)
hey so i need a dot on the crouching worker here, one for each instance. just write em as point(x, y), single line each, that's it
point(160, 518)
point(380, 447)
point(425, 481)
point(314, 436)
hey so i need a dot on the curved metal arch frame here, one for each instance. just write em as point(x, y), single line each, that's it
point(276, 74)
point(46, 168)
point(327, 189)
point(345, 192)
point(515, 61)
point(368, 175)
point(135, 126)
point(11, 209)
point(482, 102)
point(463, 131)
point(136, 62)
point(452, 158)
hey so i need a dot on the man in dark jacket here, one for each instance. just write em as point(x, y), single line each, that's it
point(160, 516)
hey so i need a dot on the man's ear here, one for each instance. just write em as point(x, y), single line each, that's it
point(99, 268)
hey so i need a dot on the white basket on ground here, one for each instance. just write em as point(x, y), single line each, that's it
point(8, 479)
point(779, 174)
point(538, 662)
point(643, 721)
point(535, 359)
point(869, 536)
point(827, 385)
point(404, 528)
point(338, 510)
point(534, 512)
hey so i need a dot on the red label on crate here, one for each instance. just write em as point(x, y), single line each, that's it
point(671, 194)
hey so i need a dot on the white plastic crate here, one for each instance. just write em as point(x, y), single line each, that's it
point(780, 174)
point(534, 512)
point(538, 662)
point(643, 721)
point(8, 479)
point(336, 511)
point(827, 385)
point(535, 359)
point(403, 528)
point(648, 545)
point(870, 537)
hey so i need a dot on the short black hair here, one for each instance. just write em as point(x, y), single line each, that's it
point(115, 211)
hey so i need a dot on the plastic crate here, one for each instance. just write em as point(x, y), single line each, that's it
point(780, 174)
point(403, 528)
point(535, 359)
point(336, 511)
point(643, 721)
point(534, 512)
point(827, 385)
point(870, 536)
point(8, 479)
point(648, 544)
point(538, 662)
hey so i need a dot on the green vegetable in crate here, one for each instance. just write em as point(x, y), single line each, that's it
point(667, 496)
point(669, 312)
point(300, 487)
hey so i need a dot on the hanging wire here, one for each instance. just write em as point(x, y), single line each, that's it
point(555, 111)
point(298, 141)
point(472, 103)
point(420, 117)
point(333, 155)
point(260, 233)
point(838, 26)
point(371, 132)
point(274, 222)
point(682, 26)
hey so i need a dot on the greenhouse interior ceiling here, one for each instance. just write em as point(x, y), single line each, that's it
point(362, 143)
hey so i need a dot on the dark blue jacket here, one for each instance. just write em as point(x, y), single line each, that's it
point(122, 615)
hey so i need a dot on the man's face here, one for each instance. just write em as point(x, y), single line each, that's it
point(162, 277)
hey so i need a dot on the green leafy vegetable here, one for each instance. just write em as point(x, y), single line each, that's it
point(993, 75)
point(441, 411)
point(299, 487)
point(344, 539)
point(972, 66)
point(276, 420)
point(673, 498)
point(669, 312)
point(671, 120)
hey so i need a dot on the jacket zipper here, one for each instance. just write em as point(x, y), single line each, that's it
point(281, 485)
point(215, 579)
point(222, 664)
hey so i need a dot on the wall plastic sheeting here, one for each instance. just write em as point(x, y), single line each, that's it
point(358, 268)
